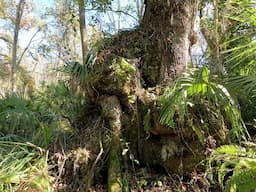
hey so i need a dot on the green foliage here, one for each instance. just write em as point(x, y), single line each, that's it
point(59, 101)
point(15, 116)
point(247, 84)
point(239, 55)
point(43, 117)
point(3, 72)
point(244, 87)
point(235, 167)
point(122, 69)
point(203, 105)
point(100, 5)
point(146, 121)
point(239, 46)
point(79, 72)
point(23, 167)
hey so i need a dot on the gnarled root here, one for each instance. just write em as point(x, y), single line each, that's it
point(111, 109)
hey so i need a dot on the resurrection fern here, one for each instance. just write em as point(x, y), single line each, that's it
point(234, 166)
point(203, 105)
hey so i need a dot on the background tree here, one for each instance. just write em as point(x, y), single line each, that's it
point(19, 13)
point(83, 28)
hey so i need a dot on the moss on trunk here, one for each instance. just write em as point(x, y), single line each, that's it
point(114, 167)
point(112, 111)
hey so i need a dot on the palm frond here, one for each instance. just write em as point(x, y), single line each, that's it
point(244, 87)
point(239, 48)
point(243, 84)
point(23, 167)
point(15, 115)
point(201, 103)
point(235, 167)
point(80, 71)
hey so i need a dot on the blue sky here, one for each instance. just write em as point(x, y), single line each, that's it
point(42, 5)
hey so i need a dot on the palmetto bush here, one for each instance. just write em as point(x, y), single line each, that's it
point(197, 101)
point(60, 101)
point(23, 167)
point(77, 72)
point(239, 47)
point(239, 55)
point(39, 118)
point(28, 126)
point(19, 120)
point(244, 88)
point(233, 167)
point(16, 117)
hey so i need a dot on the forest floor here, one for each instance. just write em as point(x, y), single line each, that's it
point(148, 180)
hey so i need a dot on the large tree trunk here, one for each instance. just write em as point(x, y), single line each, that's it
point(159, 51)
point(168, 25)
point(168, 29)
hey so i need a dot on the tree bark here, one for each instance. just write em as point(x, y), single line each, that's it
point(168, 26)
point(162, 45)
point(83, 30)
point(19, 13)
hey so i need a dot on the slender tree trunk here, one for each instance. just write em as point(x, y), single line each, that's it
point(119, 15)
point(19, 13)
point(139, 9)
point(168, 25)
point(217, 37)
point(83, 30)
point(27, 47)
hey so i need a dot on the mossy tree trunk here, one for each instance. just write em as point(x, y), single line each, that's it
point(159, 51)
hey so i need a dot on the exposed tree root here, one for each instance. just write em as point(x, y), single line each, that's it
point(111, 109)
